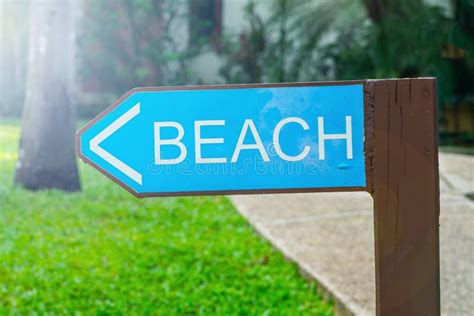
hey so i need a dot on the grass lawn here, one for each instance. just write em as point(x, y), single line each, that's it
point(104, 252)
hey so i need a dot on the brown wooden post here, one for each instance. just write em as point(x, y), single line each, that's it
point(402, 155)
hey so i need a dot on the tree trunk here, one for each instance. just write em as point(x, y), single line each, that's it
point(47, 156)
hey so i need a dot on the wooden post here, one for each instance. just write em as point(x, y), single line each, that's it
point(402, 159)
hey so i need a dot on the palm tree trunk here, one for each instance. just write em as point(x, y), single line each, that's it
point(46, 154)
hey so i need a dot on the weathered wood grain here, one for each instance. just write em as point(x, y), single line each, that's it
point(405, 189)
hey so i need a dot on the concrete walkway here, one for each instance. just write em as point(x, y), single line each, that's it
point(330, 237)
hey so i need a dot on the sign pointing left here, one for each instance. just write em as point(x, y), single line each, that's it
point(108, 157)
point(231, 139)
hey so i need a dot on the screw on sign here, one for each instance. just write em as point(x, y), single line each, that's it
point(377, 136)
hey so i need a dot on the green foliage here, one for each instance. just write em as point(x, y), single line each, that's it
point(291, 44)
point(125, 44)
point(308, 40)
point(104, 252)
point(246, 57)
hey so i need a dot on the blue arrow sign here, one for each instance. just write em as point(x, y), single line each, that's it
point(231, 139)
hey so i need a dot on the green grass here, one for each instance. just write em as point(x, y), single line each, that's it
point(104, 252)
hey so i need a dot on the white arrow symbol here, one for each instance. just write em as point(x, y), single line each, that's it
point(109, 130)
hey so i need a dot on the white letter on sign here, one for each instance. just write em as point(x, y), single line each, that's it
point(175, 142)
point(258, 142)
point(276, 139)
point(199, 141)
point(347, 136)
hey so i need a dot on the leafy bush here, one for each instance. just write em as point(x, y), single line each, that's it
point(125, 44)
point(345, 39)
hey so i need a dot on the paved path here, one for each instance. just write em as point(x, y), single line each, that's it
point(330, 236)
